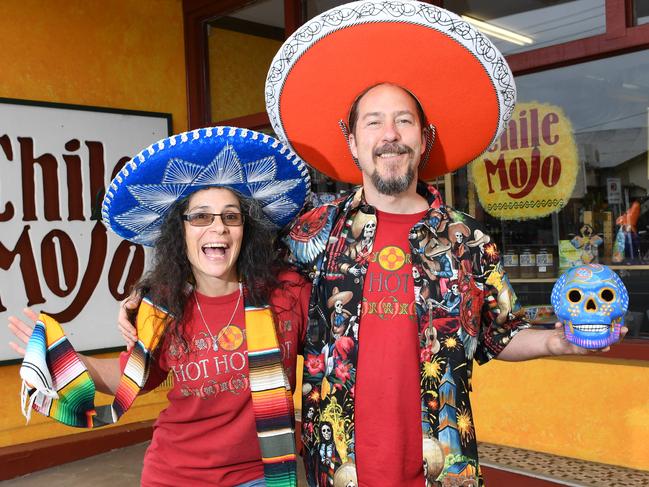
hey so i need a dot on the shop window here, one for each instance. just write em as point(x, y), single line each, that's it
point(568, 181)
point(324, 188)
point(241, 46)
point(641, 12)
point(521, 26)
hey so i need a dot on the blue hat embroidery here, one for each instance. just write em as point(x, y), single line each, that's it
point(252, 163)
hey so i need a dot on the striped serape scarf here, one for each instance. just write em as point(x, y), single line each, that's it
point(272, 401)
point(57, 384)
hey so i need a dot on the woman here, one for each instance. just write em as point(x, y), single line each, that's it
point(210, 201)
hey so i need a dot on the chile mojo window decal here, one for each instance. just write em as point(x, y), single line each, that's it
point(531, 170)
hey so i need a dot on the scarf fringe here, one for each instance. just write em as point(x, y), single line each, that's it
point(33, 398)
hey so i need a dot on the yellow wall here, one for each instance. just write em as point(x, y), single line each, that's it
point(125, 54)
point(14, 431)
point(120, 54)
point(589, 408)
point(238, 66)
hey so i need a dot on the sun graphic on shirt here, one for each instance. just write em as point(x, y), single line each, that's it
point(391, 258)
point(231, 339)
point(465, 425)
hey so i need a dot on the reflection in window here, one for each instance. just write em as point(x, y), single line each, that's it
point(521, 26)
point(606, 218)
point(241, 47)
point(607, 102)
point(641, 12)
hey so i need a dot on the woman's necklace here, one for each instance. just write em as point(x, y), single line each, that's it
point(215, 339)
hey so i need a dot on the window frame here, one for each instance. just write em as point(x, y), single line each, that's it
point(620, 37)
point(196, 17)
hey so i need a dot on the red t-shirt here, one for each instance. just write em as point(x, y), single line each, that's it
point(388, 430)
point(207, 434)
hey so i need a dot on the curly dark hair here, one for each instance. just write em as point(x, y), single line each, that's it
point(166, 283)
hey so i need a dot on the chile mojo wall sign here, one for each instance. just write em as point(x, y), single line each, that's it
point(531, 170)
point(55, 254)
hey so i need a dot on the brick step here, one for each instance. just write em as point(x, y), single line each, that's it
point(499, 476)
point(506, 466)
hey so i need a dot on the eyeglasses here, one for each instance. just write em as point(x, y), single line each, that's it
point(230, 219)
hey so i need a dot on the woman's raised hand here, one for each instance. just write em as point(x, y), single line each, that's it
point(126, 314)
point(22, 331)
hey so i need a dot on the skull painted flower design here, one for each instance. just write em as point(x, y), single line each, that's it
point(591, 301)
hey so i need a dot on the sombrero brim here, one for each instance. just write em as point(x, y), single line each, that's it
point(462, 81)
point(254, 164)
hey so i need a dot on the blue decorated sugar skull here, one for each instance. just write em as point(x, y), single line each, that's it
point(591, 301)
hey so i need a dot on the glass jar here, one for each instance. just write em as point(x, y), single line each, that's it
point(544, 263)
point(527, 263)
point(510, 262)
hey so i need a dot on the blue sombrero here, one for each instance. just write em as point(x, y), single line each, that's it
point(252, 163)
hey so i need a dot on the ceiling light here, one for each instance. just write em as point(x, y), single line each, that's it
point(499, 32)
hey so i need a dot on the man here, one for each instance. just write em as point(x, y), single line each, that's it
point(381, 395)
point(400, 383)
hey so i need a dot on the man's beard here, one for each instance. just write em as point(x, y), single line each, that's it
point(398, 184)
point(394, 185)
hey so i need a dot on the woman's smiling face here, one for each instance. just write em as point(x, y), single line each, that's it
point(213, 250)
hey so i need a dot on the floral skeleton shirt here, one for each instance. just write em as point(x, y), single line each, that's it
point(465, 308)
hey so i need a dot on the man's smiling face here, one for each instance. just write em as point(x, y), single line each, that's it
point(388, 140)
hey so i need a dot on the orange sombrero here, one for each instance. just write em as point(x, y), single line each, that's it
point(462, 81)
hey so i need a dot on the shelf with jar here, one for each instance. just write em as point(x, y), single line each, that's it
point(516, 277)
point(527, 263)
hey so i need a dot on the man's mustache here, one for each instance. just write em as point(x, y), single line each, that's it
point(393, 149)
